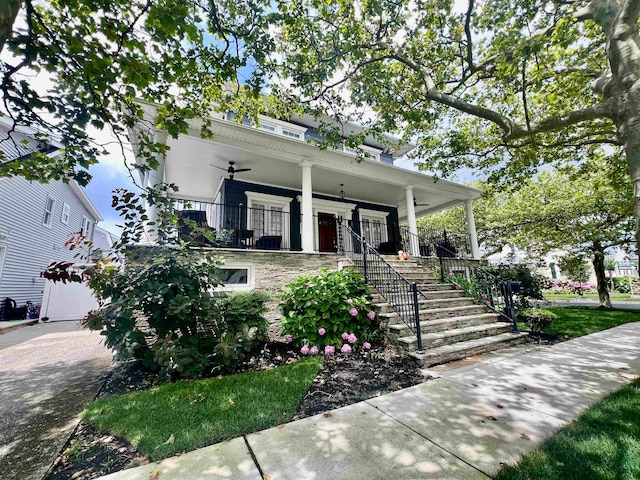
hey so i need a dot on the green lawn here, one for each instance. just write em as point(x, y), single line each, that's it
point(187, 415)
point(593, 296)
point(602, 444)
point(575, 322)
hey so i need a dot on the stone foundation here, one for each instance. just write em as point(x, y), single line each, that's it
point(272, 270)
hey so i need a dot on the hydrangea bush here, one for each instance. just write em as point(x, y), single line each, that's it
point(328, 313)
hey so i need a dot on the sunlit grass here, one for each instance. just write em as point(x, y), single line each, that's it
point(187, 415)
point(575, 322)
point(602, 444)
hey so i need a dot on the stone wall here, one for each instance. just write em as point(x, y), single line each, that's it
point(274, 270)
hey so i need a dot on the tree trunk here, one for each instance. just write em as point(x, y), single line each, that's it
point(601, 277)
point(8, 12)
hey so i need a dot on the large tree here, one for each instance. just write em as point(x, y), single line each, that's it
point(584, 212)
point(502, 86)
point(73, 65)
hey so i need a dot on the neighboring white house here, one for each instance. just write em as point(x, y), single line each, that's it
point(278, 191)
point(36, 220)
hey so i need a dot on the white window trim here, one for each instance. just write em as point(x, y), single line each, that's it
point(65, 207)
point(373, 215)
point(369, 152)
point(271, 201)
point(3, 254)
point(51, 214)
point(251, 280)
point(279, 126)
point(89, 226)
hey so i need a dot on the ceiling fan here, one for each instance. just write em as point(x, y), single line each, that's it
point(231, 170)
point(416, 204)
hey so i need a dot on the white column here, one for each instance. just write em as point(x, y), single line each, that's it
point(471, 225)
point(154, 178)
point(307, 208)
point(413, 224)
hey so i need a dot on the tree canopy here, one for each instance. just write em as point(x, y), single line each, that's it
point(585, 212)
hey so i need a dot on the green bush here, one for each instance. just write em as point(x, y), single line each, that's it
point(319, 309)
point(159, 308)
point(621, 284)
point(536, 318)
point(530, 283)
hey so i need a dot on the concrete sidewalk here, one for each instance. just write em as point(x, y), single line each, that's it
point(464, 425)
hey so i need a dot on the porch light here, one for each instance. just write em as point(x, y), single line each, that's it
point(342, 191)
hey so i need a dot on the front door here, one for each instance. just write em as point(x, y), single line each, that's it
point(327, 232)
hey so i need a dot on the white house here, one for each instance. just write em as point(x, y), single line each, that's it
point(36, 220)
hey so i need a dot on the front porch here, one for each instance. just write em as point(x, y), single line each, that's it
point(280, 191)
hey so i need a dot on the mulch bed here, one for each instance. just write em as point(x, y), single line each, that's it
point(343, 380)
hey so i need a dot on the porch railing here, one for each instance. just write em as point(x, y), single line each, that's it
point(243, 227)
point(434, 243)
point(401, 294)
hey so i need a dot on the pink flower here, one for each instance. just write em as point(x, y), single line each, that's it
point(314, 350)
point(288, 338)
point(305, 349)
point(366, 345)
point(349, 301)
point(371, 315)
point(458, 287)
point(329, 350)
point(487, 303)
point(322, 331)
point(345, 336)
point(353, 311)
point(451, 274)
point(484, 296)
point(352, 338)
point(346, 348)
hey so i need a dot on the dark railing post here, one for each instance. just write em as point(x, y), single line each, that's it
point(441, 269)
point(363, 246)
point(416, 313)
point(509, 307)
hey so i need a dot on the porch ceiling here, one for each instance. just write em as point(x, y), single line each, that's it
point(275, 160)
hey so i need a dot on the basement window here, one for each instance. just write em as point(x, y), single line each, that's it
point(236, 277)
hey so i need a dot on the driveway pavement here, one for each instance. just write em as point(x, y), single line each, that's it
point(48, 373)
point(464, 425)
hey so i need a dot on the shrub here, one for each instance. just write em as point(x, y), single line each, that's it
point(159, 308)
point(536, 318)
point(621, 284)
point(327, 310)
point(530, 283)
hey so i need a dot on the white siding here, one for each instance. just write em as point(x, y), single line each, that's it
point(31, 246)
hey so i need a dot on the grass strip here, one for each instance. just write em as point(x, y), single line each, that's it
point(602, 444)
point(576, 322)
point(186, 415)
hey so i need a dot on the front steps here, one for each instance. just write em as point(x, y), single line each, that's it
point(453, 327)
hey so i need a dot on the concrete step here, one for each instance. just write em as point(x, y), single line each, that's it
point(456, 351)
point(450, 337)
point(385, 307)
point(399, 330)
point(435, 313)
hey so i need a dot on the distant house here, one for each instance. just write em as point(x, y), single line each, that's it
point(35, 220)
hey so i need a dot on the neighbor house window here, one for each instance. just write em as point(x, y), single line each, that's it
point(66, 213)
point(85, 230)
point(48, 212)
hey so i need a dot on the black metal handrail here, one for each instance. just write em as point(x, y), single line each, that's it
point(495, 293)
point(432, 243)
point(401, 294)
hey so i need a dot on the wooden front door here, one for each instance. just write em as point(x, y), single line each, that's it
point(327, 232)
